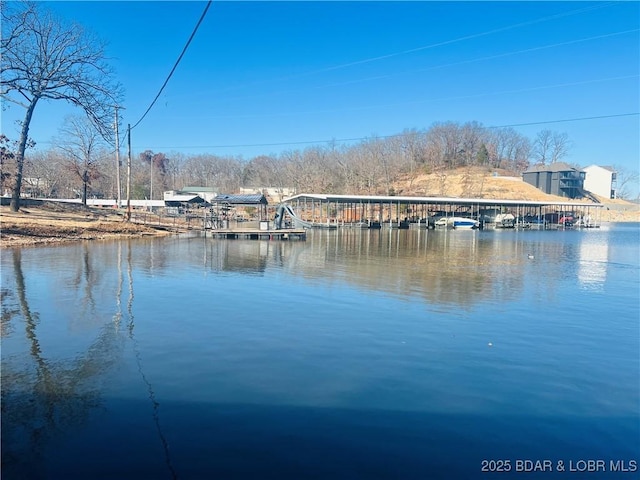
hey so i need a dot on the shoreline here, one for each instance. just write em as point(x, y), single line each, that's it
point(49, 225)
point(54, 224)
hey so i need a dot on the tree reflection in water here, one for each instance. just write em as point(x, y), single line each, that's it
point(43, 398)
point(136, 349)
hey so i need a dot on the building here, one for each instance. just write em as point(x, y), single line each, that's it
point(276, 194)
point(556, 179)
point(601, 181)
point(224, 203)
point(206, 193)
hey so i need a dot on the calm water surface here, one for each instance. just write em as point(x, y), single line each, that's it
point(356, 354)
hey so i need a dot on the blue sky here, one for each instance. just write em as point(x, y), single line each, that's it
point(264, 77)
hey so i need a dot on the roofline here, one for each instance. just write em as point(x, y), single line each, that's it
point(434, 200)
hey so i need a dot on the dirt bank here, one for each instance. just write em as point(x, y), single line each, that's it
point(57, 223)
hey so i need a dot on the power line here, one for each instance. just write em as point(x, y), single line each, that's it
point(415, 101)
point(430, 46)
point(342, 140)
point(176, 64)
point(566, 120)
point(425, 69)
point(355, 139)
point(464, 38)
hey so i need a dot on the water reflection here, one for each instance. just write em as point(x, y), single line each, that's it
point(43, 398)
point(443, 267)
point(451, 268)
point(192, 353)
point(594, 255)
point(155, 405)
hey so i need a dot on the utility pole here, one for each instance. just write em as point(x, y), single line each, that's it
point(128, 214)
point(118, 162)
point(151, 183)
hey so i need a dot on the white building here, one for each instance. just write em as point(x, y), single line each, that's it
point(206, 193)
point(276, 194)
point(600, 180)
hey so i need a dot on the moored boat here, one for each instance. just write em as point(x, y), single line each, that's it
point(505, 220)
point(441, 222)
point(463, 223)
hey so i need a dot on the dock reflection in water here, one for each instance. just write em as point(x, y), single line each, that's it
point(355, 354)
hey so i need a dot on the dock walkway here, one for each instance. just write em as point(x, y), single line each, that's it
point(256, 234)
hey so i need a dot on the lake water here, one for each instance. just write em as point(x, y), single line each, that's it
point(393, 354)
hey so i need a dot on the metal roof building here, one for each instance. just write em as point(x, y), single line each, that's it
point(236, 199)
point(328, 208)
point(401, 200)
point(226, 201)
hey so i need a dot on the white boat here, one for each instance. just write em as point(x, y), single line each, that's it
point(505, 220)
point(462, 223)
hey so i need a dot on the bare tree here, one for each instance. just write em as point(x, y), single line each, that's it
point(626, 182)
point(48, 166)
point(446, 141)
point(411, 152)
point(472, 134)
point(7, 161)
point(82, 146)
point(542, 147)
point(261, 171)
point(560, 146)
point(550, 146)
point(158, 168)
point(509, 149)
point(42, 58)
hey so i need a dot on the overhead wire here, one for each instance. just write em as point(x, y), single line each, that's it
point(416, 101)
point(466, 37)
point(425, 69)
point(355, 139)
point(175, 65)
point(430, 46)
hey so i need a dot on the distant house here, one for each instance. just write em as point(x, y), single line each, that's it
point(207, 193)
point(174, 199)
point(277, 194)
point(601, 181)
point(33, 187)
point(188, 197)
point(556, 179)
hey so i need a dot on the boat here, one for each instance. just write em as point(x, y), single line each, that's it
point(505, 220)
point(463, 223)
point(441, 222)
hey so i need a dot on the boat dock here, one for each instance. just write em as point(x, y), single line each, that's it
point(256, 234)
point(326, 210)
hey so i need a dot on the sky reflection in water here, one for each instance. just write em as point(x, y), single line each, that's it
point(382, 354)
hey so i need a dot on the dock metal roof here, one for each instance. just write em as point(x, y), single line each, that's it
point(404, 200)
point(235, 199)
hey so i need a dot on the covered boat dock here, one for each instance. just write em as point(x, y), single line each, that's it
point(402, 211)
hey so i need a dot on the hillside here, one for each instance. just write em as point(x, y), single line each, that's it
point(479, 183)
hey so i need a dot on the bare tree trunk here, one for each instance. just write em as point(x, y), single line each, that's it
point(22, 146)
point(85, 182)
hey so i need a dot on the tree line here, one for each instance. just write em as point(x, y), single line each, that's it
point(83, 165)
